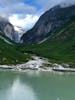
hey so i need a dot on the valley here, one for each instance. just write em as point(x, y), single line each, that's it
point(52, 38)
point(59, 48)
point(37, 49)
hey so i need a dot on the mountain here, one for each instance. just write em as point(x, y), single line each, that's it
point(7, 29)
point(49, 23)
point(60, 46)
point(10, 52)
point(20, 31)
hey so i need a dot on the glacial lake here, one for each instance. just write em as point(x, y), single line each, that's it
point(34, 85)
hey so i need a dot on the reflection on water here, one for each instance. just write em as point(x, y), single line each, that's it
point(12, 88)
point(19, 91)
point(37, 86)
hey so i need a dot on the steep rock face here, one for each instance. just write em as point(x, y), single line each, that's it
point(48, 23)
point(20, 32)
point(7, 29)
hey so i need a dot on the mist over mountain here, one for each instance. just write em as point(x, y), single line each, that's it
point(67, 3)
point(20, 31)
point(8, 30)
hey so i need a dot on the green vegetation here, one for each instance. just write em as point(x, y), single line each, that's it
point(60, 47)
point(9, 52)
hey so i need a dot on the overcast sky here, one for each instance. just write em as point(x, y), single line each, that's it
point(25, 13)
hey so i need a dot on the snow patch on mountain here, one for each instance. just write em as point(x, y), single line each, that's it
point(20, 31)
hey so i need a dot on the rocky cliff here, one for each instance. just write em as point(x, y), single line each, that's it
point(48, 23)
point(7, 29)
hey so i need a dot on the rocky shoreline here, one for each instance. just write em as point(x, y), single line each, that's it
point(39, 64)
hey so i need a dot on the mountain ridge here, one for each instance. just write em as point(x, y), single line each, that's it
point(7, 29)
point(59, 47)
point(48, 23)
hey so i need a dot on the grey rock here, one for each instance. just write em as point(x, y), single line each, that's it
point(7, 29)
point(49, 23)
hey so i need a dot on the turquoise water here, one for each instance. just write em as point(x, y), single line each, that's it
point(37, 86)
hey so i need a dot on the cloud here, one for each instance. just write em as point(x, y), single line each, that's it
point(20, 8)
point(47, 4)
point(9, 7)
point(66, 3)
point(19, 13)
point(27, 22)
point(25, 13)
